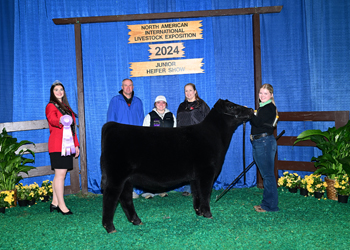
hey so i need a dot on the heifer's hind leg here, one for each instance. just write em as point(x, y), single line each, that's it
point(195, 197)
point(128, 205)
point(110, 201)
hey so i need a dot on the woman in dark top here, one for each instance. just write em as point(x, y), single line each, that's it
point(264, 147)
point(192, 111)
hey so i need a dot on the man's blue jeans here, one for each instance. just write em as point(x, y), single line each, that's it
point(264, 151)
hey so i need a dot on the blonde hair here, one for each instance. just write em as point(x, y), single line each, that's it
point(270, 89)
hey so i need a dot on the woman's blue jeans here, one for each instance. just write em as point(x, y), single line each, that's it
point(264, 151)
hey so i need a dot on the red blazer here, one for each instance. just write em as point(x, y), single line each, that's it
point(53, 116)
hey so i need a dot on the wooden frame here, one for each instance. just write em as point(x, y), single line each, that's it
point(339, 117)
point(169, 15)
point(74, 186)
point(77, 21)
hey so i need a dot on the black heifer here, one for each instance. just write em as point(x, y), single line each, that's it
point(157, 159)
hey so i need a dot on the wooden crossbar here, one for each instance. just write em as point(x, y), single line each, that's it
point(340, 118)
point(74, 186)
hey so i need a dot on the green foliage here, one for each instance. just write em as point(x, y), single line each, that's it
point(12, 163)
point(335, 146)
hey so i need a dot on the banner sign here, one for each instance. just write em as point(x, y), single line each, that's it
point(166, 50)
point(160, 32)
point(167, 67)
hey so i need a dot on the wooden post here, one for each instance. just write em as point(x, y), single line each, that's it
point(257, 76)
point(257, 58)
point(81, 107)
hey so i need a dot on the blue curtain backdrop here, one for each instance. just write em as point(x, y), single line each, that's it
point(305, 51)
point(6, 60)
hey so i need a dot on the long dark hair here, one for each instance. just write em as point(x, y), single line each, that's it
point(64, 104)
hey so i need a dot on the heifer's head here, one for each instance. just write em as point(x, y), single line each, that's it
point(237, 112)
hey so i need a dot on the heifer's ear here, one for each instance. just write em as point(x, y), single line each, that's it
point(219, 105)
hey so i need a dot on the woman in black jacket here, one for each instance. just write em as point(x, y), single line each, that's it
point(192, 111)
point(264, 147)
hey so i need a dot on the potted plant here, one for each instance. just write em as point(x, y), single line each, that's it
point(12, 162)
point(45, 190)
point(22, 194)
point(342, 186)
point(289, 180)
point(6, 200)
point(335, 158)
point(303, 185)
point(34, 194)
point(316, 185)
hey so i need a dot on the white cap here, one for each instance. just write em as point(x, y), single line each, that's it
point(160, 98)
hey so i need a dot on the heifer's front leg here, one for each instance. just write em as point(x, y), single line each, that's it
point(128, 205)
point(204, 189)
point(110, 201)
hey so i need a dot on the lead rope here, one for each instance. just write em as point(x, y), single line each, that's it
point(244, 168)
point(240, 176)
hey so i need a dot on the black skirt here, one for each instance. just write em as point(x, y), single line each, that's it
point(61, 162)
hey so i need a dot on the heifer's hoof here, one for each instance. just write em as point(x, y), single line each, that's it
point(110, 229)
point(208, 215)
point(137, 222)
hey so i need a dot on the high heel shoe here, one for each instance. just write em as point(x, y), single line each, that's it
point(66, 213)
point(53, 208)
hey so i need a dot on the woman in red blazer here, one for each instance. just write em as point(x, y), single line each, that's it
point(55, 109)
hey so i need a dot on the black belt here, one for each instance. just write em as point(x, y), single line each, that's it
point(255, 137)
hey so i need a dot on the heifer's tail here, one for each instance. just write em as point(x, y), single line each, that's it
point(103, 177)
point(103, 182)
point(102, 161)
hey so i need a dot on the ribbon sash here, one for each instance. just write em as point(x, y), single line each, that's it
point(67, 138)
